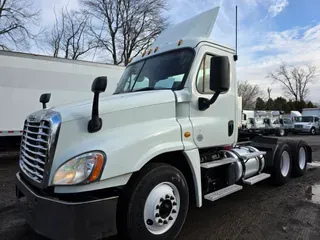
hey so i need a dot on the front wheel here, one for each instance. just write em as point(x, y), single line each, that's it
point(154, 205)
point(313, 131)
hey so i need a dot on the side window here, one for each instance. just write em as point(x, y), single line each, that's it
point(317, 119)
point(203, 76)
point(141, 83)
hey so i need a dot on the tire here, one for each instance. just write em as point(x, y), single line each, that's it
point(299, 157)
point(137, 220)
point(313, 131)
point(282, 165)
point(294, 133)
point(280, 132)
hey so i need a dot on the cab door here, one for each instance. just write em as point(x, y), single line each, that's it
point(317, 124)
point(217, 125)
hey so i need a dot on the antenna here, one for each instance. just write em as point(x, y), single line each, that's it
point(235, 57)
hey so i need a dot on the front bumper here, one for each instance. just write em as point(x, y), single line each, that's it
point(301, 130)
point(56, 219)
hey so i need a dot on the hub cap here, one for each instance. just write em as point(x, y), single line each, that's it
point(161, 208)
point(285, 163)
point(302, 158)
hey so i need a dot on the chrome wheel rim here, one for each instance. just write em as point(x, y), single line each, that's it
point(161, 208)
point(285, 163)
point(312, 131)
point(302, 158)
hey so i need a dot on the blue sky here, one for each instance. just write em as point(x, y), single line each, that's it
point(270, 31)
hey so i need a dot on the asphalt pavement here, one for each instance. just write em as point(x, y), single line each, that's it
point(261, 211)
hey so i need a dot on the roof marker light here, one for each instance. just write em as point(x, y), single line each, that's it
point(180, 42)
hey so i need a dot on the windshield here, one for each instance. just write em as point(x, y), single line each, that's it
point(304, 119)
point(166, 71)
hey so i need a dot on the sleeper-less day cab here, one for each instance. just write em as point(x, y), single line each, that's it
point(132, 163)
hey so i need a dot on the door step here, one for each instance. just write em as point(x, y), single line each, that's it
point(252, 155)
point(218, 163)
point(257, 178)
point(223, 192)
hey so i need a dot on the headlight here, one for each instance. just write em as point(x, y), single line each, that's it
point(306, 126)
point(84, 168)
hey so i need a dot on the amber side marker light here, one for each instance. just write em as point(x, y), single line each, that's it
point(97, 168)
point(180, 42)
point(187, 134)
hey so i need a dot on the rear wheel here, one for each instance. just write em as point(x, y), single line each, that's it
point(299, 157)
point(282, 165)
point(154, 205)
point(280, 132)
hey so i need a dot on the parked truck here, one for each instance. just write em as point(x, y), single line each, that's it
point(307, 124)
point(132, 163)
point(25, 76)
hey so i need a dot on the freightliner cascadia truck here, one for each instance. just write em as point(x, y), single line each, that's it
point(132, 163)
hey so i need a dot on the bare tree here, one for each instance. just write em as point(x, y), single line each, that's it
point(17, 18)
point(69, 37)
point(294, 80)
point(249, 94)
point(269, 92)
point(125, 27)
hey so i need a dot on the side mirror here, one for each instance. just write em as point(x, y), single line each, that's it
point(99, 85)
point(220, 74)
point(44, 99)
point(219, 80)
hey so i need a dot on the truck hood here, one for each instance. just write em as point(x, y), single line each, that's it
point(115, 103)
point(303, 124)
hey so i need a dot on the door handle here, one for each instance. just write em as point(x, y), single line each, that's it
point(230, 128)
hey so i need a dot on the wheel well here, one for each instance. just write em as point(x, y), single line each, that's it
point(179, 161)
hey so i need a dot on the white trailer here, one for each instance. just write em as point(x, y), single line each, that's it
point(133, 162)
point(311, 112)
point(24, 77)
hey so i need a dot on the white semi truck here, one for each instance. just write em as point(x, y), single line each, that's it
point(132, 163)
point(25, 76)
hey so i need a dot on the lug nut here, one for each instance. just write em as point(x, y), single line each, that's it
point(157, 207)
point(157, 215)
point(170, 218)
point(165, 222)
point(149, 222)
point(161, 199)
point(167, 196)
point(174, 204)
point(174, 211)
point(172, 198)
point(160, 221)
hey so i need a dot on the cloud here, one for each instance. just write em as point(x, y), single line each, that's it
point(277, 7)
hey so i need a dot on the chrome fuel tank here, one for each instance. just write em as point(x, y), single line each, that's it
point(252, 165)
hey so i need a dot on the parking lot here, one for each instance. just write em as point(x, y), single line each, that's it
point(261, 211)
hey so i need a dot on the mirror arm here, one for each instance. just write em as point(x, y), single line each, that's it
point(205, 103)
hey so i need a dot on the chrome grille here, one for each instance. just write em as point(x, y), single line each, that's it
point(34, 148)
point(297, 126)
point(38, 144)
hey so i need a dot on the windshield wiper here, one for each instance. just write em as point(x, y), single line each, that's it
point(149, 89)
